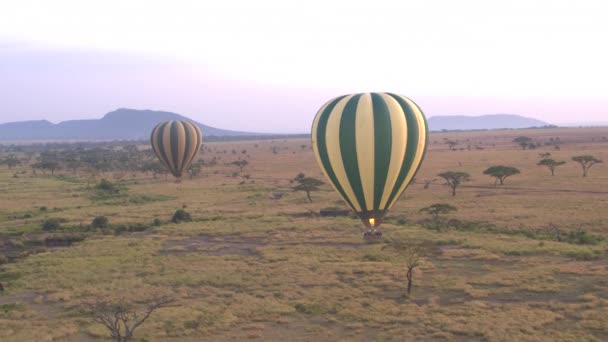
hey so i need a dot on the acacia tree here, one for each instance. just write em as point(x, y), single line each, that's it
point(551, 164)
point(436, 210)
point(307, 184)
point(451, 144)
point(45, 165)
point(454, 179)
point(501, 172)
point(11, 161)
point(586, 162)
point(523, 141)
point(544, 155)
point(240, 163)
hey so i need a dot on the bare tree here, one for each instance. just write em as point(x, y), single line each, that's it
point(123, 319)
point(411, 255)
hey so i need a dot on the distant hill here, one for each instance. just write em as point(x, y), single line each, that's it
point(121, 124)
point(494, 121)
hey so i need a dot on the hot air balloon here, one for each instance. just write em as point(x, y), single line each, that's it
point(176, 143)
point(369, 146)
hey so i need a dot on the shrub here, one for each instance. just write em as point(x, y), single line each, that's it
point(157, 222)
point(181, 216)
point(107, 186)
point(51, 224)
point(581, 237)
point(100, 222)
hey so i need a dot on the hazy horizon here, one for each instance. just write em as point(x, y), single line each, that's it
point(269, 66)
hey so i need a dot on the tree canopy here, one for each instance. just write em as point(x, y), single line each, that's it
point(454, 179)
point(551, 164)
point(586, 162)
point(501, 172)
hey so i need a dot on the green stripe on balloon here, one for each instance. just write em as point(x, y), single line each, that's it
point(348, 148)
point(382, 146)
point(322, 148)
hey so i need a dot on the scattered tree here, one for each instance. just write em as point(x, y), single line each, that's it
point(11, 161)
point(451, 144)
point(436, 210)
point(241, 164)
point(454, 179)
point(551, 164)
point(45, 166)
point(123, 319)
point(523, 141)
point(544, 155)
point(307, 184)
point(586, 162)
point(501, 172)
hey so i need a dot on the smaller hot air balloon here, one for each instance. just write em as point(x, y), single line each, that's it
point(176, 143)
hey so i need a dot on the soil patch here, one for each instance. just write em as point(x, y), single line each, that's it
point(239, 245)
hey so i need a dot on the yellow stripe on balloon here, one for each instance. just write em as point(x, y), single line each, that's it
point(419, 149)
point(364, 135)
point(192, 147)
point(398, 144)
point(181, 144)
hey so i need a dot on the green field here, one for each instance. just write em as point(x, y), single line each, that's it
point(525, 261)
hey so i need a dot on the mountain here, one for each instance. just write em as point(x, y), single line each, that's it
point(121, 124)
point(494, 121)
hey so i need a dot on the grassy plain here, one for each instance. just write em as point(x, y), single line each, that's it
point(249, 267)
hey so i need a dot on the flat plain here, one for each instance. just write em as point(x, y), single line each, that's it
point(523, 261)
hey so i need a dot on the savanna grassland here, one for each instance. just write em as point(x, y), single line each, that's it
point(523, 261)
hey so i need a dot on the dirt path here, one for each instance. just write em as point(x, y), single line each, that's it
point(240, 245)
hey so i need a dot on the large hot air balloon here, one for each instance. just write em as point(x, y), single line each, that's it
point(176, 143)
point(370, 146)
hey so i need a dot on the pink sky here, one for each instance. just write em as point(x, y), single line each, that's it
point(268, 65)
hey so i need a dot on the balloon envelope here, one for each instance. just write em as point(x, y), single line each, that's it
point(176, 144)
point(369, 146)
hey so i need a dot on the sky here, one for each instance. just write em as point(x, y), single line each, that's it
point(269, 65)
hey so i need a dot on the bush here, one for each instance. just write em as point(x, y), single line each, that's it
point(581, 237)
point(157, 222)
point(43, 208)
point(130, 228)
point(100, 222)
point(51, 224)
point(181, 216)
point(107, 186)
